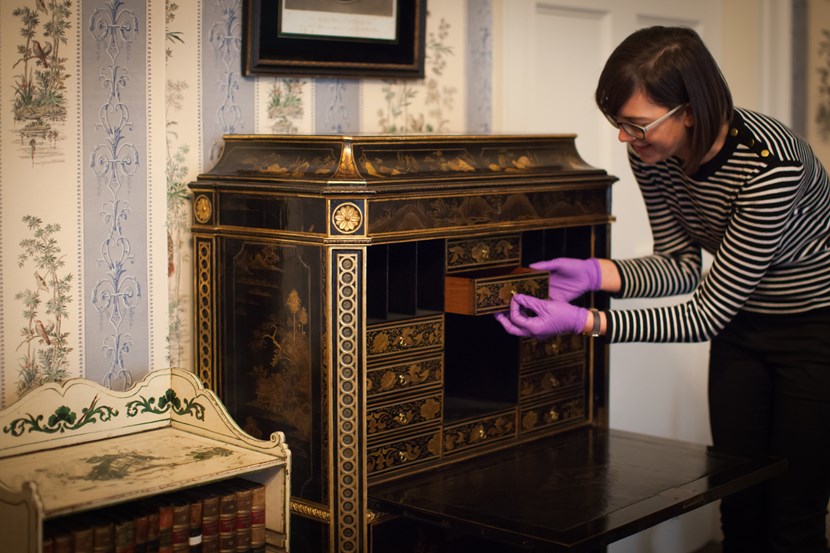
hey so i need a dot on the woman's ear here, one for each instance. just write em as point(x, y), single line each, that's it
point(688, 117)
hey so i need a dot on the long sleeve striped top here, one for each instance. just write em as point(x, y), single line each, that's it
point(761, 207)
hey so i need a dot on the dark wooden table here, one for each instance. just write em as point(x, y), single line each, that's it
point(573, 492)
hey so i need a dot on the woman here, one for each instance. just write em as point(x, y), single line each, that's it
point(745, 188)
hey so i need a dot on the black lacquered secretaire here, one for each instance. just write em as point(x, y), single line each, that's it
point(344, 292)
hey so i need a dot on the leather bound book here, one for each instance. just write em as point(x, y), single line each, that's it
point(181, 523)
point(142, 520)
point(166, 525)
point(195, 498)
point(227, 520)
point(244, 496)
point(82, 538)
point(257, 512)
point(258, 518)
point(151, 508)
point(103, 535)
point(124, 524)
point(210, 519)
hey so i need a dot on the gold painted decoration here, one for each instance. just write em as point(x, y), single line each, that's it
point(478, 432)
point(562, 411)
point(404, 414)
point(406, 376)
point(555, 346)
point(405, 337)
point(403, 453)
point(202, 209)
point(347, 218)
point(550, 380)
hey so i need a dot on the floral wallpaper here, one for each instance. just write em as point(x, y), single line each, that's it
point(110, 109)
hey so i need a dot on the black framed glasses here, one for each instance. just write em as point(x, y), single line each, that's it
point(638, 131)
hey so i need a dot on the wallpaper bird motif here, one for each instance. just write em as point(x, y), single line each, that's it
point(103, 123)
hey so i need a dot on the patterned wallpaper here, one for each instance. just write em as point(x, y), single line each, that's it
point(108, 108)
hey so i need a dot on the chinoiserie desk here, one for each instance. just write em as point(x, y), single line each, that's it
point(344, 291)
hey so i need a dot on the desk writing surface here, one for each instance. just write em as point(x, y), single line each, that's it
point(573, 492)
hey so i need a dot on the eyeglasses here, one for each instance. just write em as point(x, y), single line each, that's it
point(637, 131)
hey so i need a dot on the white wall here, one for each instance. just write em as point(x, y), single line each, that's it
point(548, 54)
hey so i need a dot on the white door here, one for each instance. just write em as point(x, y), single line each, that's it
point(548, 56)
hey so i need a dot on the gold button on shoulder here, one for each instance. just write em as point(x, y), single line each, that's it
point(733, 132)
point(764, 153)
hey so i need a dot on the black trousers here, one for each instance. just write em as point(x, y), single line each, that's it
point(769, 394)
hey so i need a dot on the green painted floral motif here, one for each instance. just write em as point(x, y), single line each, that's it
point(169, 401)
point(62, 420)
point(209, 453)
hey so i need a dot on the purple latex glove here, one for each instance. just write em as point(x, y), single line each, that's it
point(531, 316)
point(569, 277)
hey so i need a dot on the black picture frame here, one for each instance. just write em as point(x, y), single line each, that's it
point(265, 51)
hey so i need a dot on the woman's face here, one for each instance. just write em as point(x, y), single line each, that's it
point(666, 139)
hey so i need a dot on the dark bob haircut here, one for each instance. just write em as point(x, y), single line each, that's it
point(672, 66)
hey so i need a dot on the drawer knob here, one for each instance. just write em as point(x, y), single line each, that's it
point(481, 433)
point(554, 382)
point(401, 418)
point(402, 342)
point(553, 414)
point(402, 456)
point(403, 379)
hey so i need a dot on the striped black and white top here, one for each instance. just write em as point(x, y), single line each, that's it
point(761, 207)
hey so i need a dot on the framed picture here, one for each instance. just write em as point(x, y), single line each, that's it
point(351, 38)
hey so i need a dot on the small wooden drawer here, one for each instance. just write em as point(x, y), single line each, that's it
point(533, 352)
point(552, 413)
point(482, 252)
point(479, 433)
point(550, 380)
point(403, 453)
point(404, 337)
point(484, 292)
point(410, 376)
point(403, 414)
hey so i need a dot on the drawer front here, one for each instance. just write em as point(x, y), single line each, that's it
point(403, 414)
point(410, 376)
point(482, 296)
point(486, 251)
point(543, 351)
point(400, 338)
point(550, 380)
point(479, 433)
point(552, 413)
point(403, 453)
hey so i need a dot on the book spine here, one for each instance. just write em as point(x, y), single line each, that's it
point(83, 540)
point(243, 518)
point(165, 528)
point(142, 521)
point(103, 537)
point(62, 542)
point(125, 535)
point(181, 525)
point(227, 521)
point(195, 536)
point(153, 522)
point(258, 519)
point(210, 522)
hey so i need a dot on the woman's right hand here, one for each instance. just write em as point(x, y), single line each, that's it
point(569, 277)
